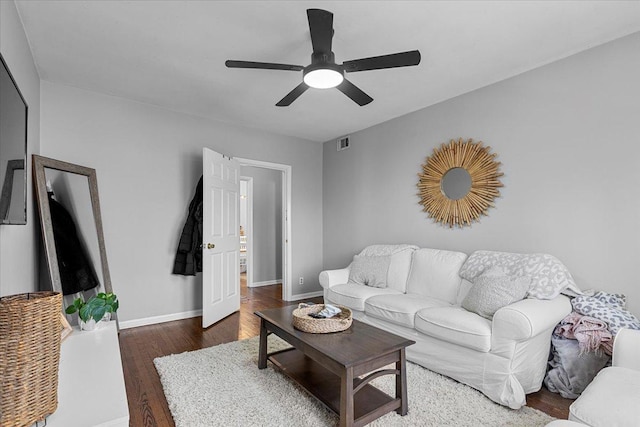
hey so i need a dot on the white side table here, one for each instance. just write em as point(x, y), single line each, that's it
point(91, 389)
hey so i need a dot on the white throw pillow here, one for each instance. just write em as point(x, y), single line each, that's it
point(399, 263)
point(493, 290)
point(369, 270)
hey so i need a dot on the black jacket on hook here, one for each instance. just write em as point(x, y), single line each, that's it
point(189, 256)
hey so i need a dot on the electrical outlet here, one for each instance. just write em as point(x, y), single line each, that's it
point(301, 281)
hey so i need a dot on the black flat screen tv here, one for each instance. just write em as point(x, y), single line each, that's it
point(13, 149)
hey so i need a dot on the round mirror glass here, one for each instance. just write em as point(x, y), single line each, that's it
point(456, 183)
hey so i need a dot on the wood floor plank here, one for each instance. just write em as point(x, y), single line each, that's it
point(139, 346)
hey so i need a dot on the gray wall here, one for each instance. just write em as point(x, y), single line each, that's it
point(567, 135)
point(148, 161)
point(19, 243)
point(267, 224)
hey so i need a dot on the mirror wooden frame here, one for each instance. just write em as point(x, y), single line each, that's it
point(39, 165)
point(485, 173)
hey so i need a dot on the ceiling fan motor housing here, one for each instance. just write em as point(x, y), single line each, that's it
point(323, 58)
point(323, 62)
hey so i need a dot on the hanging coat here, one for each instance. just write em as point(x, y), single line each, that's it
point(76, 270)
point(189, 255)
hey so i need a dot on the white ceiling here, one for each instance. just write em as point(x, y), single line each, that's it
point(172, 53)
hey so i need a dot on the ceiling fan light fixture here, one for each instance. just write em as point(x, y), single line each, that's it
point(324, 76)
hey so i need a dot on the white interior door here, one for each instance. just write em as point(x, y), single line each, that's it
point(220, 237)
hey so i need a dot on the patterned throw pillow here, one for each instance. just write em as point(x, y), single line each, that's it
point(369, 270)
point(493, 290)
point(549, 277)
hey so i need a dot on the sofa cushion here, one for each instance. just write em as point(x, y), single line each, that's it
point(455, 325)
point(492, 290)
point(369, 270)
point(610, 400)
point(434, 273)
point(399, 265)
point(399, 270)
point(399, 309)
point(353, 296)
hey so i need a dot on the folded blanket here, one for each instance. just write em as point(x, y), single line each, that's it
point(566, 325)
point(609, 308)
point(570, 370)
point(592, 334)
point(549, 277)
point(386, 250)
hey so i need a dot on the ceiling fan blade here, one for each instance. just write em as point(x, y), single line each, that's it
point(321, 27)
point(262, 65)
point(353, 92)
point(293, 95)
point(403, 59)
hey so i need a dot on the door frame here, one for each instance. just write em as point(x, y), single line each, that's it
point(286, 221)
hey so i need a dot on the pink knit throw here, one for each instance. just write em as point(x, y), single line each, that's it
point(592, 334)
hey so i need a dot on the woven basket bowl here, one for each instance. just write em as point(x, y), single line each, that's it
point(303, 322)
point(30, 332)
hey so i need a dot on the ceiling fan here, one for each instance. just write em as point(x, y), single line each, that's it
point(323, 72)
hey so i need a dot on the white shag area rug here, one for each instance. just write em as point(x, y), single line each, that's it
point(222, 386)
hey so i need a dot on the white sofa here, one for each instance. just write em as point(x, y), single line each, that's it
point(613, 397)
point(505, 358)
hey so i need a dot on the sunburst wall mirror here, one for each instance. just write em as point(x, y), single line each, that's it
point(459, 182)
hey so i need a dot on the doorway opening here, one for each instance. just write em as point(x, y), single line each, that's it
point(280, 231)
point(246, 230)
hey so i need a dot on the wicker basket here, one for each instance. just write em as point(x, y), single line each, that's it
point(29, 354)
point(303, 322)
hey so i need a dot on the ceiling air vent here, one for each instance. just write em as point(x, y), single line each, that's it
point(343, 143)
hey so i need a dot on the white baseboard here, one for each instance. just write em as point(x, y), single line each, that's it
point(298, 297)
point(127, 324)
point(265, 283)
point(159, 319)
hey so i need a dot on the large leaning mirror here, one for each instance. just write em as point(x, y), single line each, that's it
point(459, 182)
point(71, 225)
point(13, 150)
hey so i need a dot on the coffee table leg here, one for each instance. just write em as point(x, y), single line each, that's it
point(346, 398)
point(262, 354)
point(401, 384)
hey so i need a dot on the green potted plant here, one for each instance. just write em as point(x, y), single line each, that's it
point(94, 310)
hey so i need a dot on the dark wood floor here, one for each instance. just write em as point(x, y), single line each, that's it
point(139, 346)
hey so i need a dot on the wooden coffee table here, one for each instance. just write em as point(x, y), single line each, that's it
point(328, 365)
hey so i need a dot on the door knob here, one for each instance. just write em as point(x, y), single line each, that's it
point(210, 246)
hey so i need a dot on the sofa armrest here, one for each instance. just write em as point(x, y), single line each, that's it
point(329, 278)
point(626, 349)
point(527, 318)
